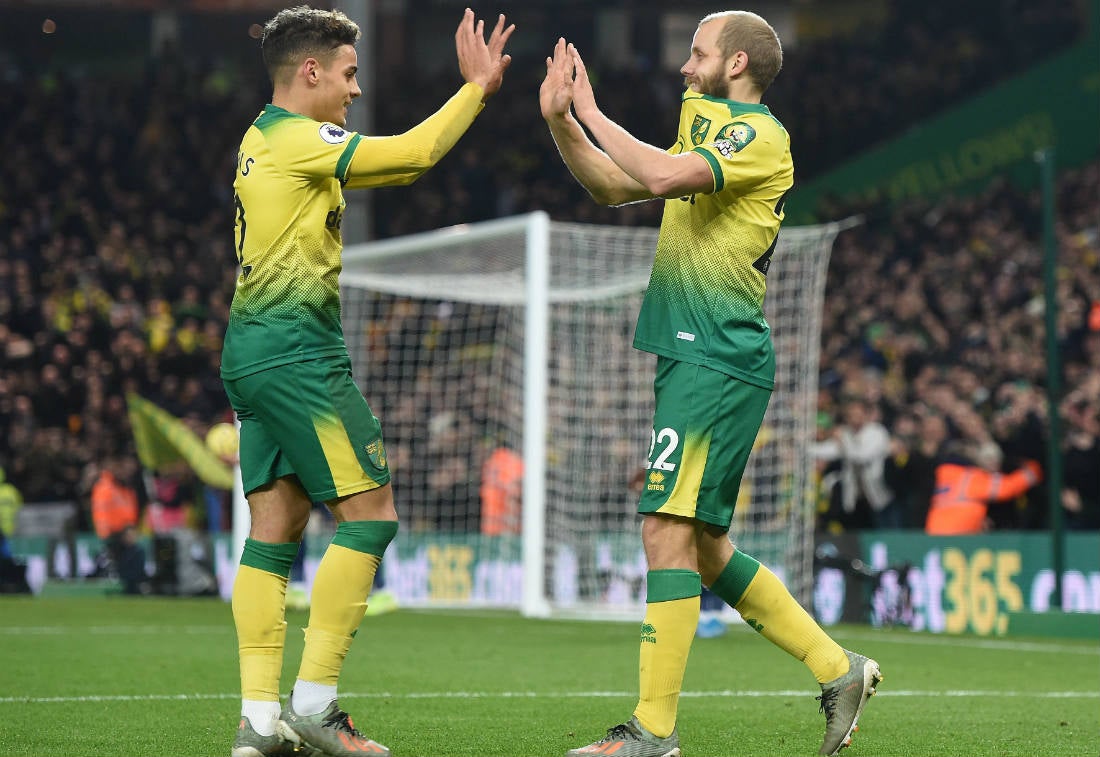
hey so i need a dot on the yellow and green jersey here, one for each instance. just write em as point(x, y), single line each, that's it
point(704, 304)
point(289, 205)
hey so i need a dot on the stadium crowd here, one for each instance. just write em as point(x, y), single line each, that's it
point(934, 317)
point(116, 267)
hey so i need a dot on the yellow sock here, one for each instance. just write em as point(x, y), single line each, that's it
point(672, 614)
point(259, 596)
point(339, 600)
point(767, 606)
point(340, 588)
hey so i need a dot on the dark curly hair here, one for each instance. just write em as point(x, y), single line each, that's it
point(300, 32)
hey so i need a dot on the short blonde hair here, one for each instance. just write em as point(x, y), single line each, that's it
point(745, 31)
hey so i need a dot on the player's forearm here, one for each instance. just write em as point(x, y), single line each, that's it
point(653, 168)
point(405, 157)
point(593, 169)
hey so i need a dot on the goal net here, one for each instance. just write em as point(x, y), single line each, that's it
point(517, 415)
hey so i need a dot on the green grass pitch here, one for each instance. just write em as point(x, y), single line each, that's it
point(151, 676)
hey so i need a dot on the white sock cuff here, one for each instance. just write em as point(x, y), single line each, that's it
point(310, 698)
point(261, 714)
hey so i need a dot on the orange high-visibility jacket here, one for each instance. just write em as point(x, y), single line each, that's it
point(962, 495)
point(114, 505)
point(501, 493)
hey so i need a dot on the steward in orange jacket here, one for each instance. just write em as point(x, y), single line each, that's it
point(502, 493)
point(114, 505)
point(115, 512)
point(963, 492)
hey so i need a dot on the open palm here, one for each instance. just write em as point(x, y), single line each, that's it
point(556, 92)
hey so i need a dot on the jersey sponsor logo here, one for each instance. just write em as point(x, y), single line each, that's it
point(333, 134)
point(699, 128)
point(734, 138)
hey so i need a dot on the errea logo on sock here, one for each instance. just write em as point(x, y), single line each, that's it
point(649, 634)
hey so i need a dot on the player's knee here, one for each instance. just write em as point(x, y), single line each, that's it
point(374, 504)
point(367, 536)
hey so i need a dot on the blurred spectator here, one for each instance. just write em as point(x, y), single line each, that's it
point(916, 445)
point(501, 493)
point(1081, 484)
point(10, 502)
point(114, 504)
point(13, 574)
point(173, 498)
point(218, 503)
point(1018, 425)
point(861, 445)
point(967, 482)
point(47, 469)
point(115, 514)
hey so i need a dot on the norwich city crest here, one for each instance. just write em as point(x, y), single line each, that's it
point(376, 451)
point(699, 128)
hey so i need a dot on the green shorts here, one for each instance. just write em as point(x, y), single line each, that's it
point(309, 420)
point(704, 427)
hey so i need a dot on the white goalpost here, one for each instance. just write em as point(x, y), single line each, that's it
point(517, 414)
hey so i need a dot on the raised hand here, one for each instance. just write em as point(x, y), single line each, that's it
point(556, 92)
point(480, 62)
point(584, 99)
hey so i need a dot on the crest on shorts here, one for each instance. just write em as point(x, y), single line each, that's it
point(376, 451)
point(699, 128)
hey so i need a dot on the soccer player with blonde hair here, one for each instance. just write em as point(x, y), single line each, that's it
point(307, 433)
point(724, 182)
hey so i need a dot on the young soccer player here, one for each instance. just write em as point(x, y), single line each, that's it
point(307, 433)
point(724, 182)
